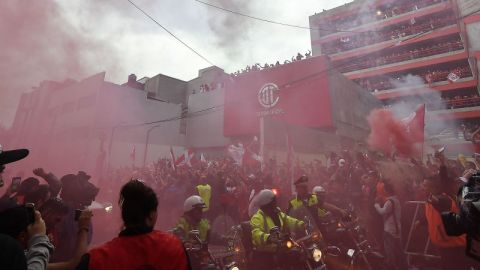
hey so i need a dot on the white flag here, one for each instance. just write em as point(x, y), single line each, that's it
point(237, 152)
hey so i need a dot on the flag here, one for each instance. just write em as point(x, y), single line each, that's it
point(202, 158)
point(236, 153)
point(452, 77)
point(185, 159)
point(400, 136)
point(415, 124)
point(251, 158)
point(172, 158)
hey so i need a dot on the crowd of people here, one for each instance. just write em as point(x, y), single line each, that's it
point(430, 76)
point(381, 13)
point(257, 66)
point(456, 102)
point(402, 55)
point(41, 214)
point(392, 33)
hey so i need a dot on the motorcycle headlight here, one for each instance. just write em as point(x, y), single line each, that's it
point(232, 266)
point(289, 244)
point(350, 252)
point(316, 254)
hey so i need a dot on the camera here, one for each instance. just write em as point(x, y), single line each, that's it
point(78, 212)
point(467, 221)
point(30, 207)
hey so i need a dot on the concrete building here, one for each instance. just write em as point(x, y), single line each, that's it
point(412, 51)
point(92, 124)
point(99, 124)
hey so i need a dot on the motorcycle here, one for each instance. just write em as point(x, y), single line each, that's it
point(310, 249)
point(199, 253)
point(351, 238)
point(231, 255)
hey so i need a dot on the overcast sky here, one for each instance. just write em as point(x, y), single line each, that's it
point(112, 36)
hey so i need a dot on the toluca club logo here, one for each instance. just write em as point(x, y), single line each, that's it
point(268, 96)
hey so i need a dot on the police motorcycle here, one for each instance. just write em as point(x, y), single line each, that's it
point(231, 254)
point(311, 248)
point(199, 253)
point(350, 237)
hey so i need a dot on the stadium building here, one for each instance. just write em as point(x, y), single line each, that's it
point(411, 52)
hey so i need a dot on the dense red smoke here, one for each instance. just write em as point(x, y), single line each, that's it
point(40, 43)
point(391, 135)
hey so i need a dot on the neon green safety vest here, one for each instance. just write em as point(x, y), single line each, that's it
point(205, 191)
point(262, 224)
point(203, 227)
point(295, 204)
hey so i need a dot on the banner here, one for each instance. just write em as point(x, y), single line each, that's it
point(296, 93)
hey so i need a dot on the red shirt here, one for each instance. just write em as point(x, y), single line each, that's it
point(151, 251)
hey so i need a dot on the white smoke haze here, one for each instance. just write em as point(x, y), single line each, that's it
point(56, 40)
point(231, 31)
point(432, 98)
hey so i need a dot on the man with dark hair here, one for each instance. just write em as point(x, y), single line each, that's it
point(392, 236)
point(30, 235)
point(77, 193)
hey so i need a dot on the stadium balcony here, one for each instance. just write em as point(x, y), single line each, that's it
point(397, 43)
point(456, 114)
point(424, 89)
point(429, 75)
point(397, 32)
point(379, 18)
point(405, 56)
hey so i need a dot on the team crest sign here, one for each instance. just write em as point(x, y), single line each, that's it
point(268, 97)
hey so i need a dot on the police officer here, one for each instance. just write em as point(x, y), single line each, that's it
point(303, 204)
point(309, 205)
point(192, 219)
point(264, 240)
point(324, 206)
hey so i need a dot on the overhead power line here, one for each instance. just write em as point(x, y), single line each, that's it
point(285, 85)
point(277, 22)
point(170, 33)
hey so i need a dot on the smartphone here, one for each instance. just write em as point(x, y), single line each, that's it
point(78, 212)
point(30, 212)
point(16, 183)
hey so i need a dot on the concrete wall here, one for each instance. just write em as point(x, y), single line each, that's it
point(167, 88)
point(350, 106)
point(206, 129)
point(126, 113)
point(67, 127)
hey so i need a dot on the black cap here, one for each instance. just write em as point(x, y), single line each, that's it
point(303, 179)
point(12, 155)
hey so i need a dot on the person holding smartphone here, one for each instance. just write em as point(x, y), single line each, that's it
point(22, 227)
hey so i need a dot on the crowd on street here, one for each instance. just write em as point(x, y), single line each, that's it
point(166, 195)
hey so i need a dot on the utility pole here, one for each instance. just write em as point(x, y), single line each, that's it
point(147, 139)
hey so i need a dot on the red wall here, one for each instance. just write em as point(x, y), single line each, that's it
point(303, 97)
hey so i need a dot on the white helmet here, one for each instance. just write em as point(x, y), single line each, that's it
point(318, 189)
point(193, 202)
point(265, 197)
